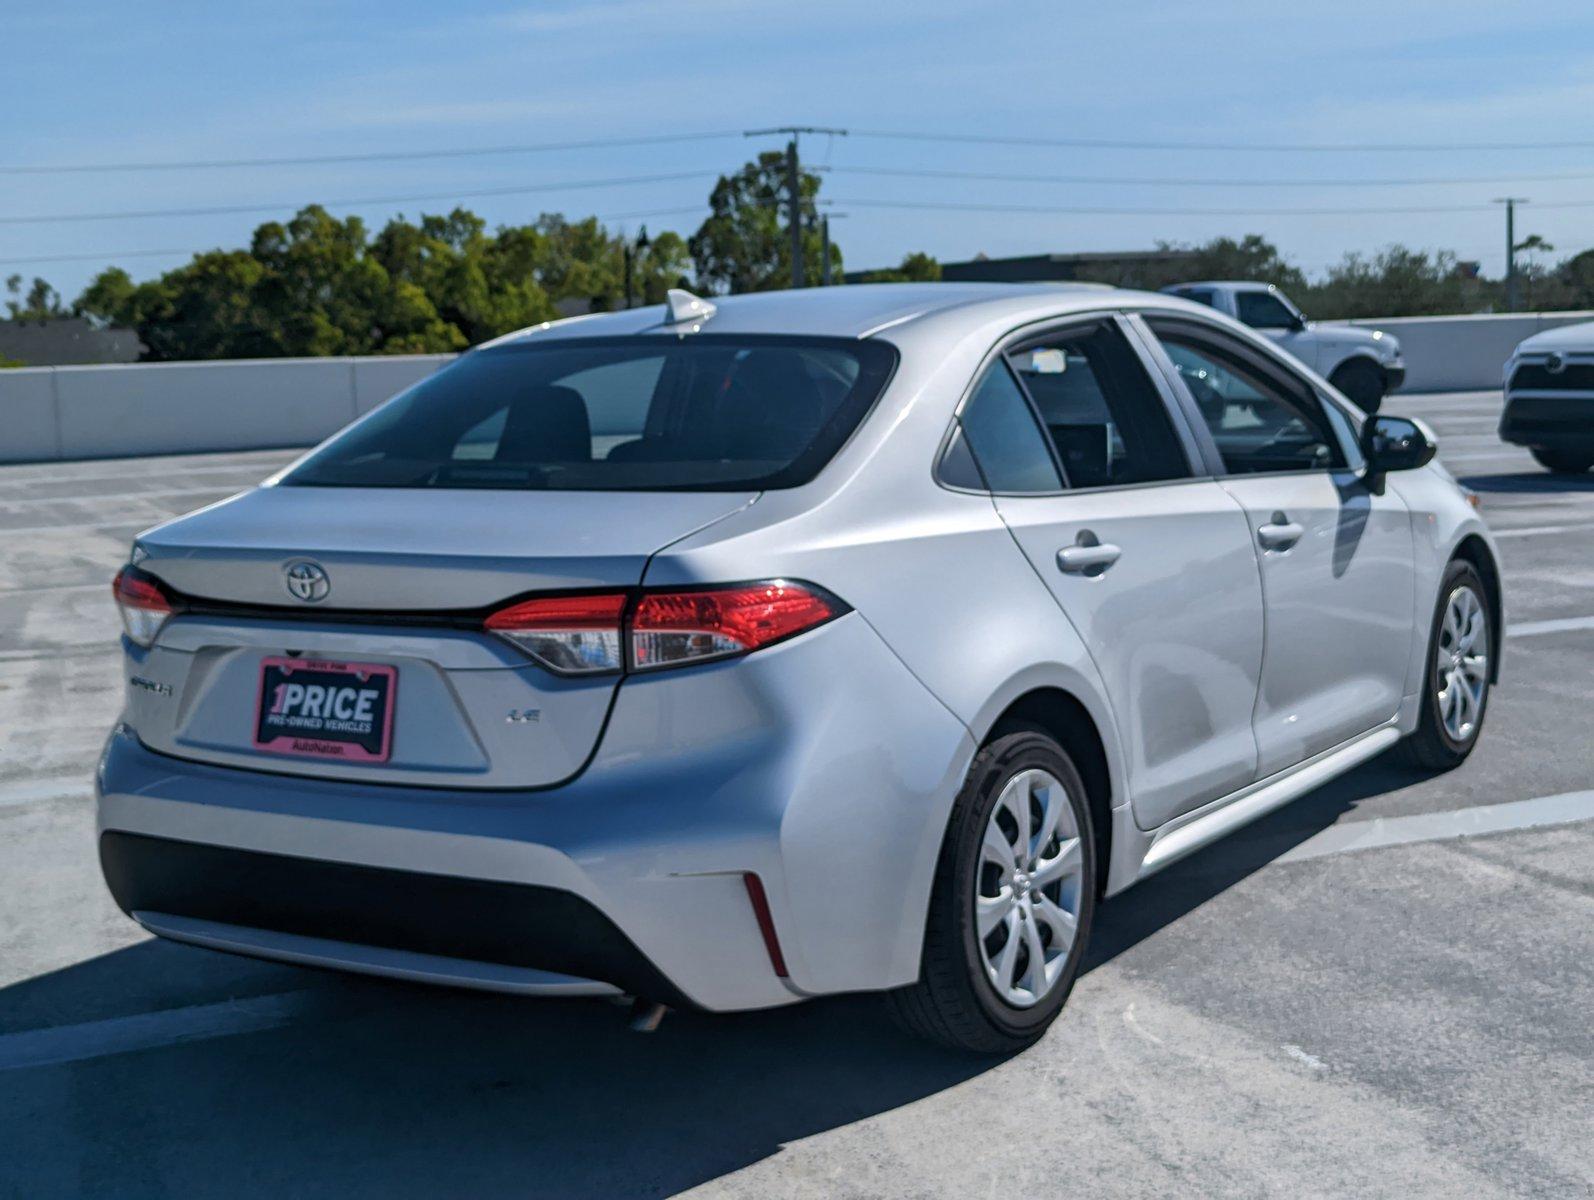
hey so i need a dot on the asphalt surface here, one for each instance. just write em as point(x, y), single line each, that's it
point(1348, 998)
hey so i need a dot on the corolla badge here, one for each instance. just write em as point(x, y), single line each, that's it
point(307, 580)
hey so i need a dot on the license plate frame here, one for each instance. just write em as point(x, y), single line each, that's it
point(337, 723)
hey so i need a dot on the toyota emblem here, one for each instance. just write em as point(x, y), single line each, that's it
point(1555, 364)
point(307, 581)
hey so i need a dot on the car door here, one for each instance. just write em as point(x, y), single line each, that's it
point(1091, 469)
point(1338, 574)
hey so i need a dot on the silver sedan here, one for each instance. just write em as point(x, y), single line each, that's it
point(730, 653)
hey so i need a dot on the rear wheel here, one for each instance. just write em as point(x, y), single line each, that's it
point(1362, 383)
point(1564, 461)
point(1456, 688)
point(1014, 893)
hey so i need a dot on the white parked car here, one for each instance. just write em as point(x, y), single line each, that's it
point(1549, 398)
point(1364, 364)
point(852, 639)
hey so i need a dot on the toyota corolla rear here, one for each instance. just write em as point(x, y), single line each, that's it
point(413, 707)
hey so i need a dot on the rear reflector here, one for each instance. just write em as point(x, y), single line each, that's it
point(573, 635)
point(766, 922)
point(577, 635)
point(142, 603)
point(670, 628)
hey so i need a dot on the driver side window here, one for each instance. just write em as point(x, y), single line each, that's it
point(1258, 424)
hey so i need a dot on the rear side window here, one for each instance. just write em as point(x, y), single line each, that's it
point(1105, 417)
point(616, 414)
point(1000, 432)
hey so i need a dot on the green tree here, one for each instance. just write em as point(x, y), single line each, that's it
point(1395, 282)
point(41, 302)
point(745, 244)
point(917, 267)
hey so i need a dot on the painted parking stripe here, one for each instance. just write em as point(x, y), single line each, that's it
point(1539, 530)
point(1554, 625)
point(59, 788)
point(1564, 809)
point(151, 1031)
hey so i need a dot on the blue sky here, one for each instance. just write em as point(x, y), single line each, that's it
point(96, 82)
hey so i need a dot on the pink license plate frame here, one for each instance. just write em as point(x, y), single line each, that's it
point(320, 725)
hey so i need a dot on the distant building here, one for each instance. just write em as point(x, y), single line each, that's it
point(66, 341)
point(1098, 266)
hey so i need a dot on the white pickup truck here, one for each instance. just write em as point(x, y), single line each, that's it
point(1364, 364)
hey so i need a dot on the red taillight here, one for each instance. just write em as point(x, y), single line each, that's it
point(574, 635)
point(669, 628)
point(144, 607)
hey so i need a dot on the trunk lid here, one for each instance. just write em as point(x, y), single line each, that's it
point(467, 708)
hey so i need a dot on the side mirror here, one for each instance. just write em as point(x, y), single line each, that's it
point(1298, 323)
point(1394, 444)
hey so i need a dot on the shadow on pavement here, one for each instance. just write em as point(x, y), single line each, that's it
point(1530, 483)
point(391, 1090)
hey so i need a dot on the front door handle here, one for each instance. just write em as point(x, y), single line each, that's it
point(1280, 533)
point(1087, 556)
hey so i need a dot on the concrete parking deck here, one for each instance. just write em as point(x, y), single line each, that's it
point(1383, 990)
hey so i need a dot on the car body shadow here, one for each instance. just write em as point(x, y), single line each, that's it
point(399, 1090)
point(1529, 483)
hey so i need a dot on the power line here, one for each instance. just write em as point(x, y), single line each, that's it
point(1114, 210)
point(210, 164)
point(226, 209)
point(1171, 181)
point(1246, 147)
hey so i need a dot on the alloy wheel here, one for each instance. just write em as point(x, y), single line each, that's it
point(1028, 890)
point(1461, 667)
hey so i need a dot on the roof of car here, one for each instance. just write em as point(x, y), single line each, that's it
point(855, 310)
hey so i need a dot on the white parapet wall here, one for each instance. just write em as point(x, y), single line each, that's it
point(179, 408)
point(1464, 354)
point(49, 413)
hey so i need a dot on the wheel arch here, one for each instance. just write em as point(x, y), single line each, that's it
point(1066, 719)
point(1473, 549)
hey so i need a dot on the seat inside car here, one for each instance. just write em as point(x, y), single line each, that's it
point(547, 424)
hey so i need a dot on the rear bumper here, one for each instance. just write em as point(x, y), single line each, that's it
point(1549, 422)
point(821, 765)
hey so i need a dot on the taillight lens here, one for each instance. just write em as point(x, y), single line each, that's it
point(585, 635)
point(142, 603)
point(573, 635)
point(672, 628)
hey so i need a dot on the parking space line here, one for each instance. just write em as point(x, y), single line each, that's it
point(1553, 625)
point(150, 1031)
point(1537, 530)
point(58, 788)
point(1564, 809)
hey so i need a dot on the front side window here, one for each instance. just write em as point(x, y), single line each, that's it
point(1264, 310)
point(1258, 423)
point(1106, 419)
point(616, 414)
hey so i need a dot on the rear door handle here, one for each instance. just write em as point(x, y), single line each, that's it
point(1280, 533)
point(1090, 558)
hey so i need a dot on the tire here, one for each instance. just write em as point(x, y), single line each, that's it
point(955, 1001)
point(1362, 383)
point(1437, 744)
point(1564, 462)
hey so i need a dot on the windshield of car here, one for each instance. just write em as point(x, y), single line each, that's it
point(616, 414)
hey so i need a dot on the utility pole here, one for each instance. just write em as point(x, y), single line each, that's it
point(794, 199)
point(824, 251)
point(794, 188)
point(1511, 203)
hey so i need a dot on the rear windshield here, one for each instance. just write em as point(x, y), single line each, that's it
point(616, 414)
